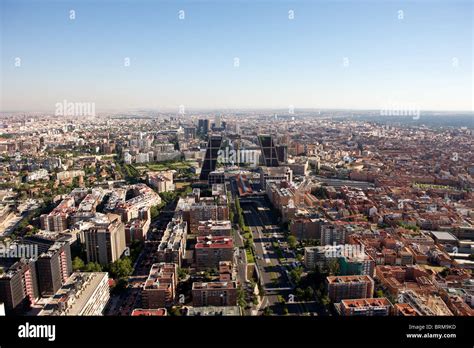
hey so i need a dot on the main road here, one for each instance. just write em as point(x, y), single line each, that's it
point(272, 273)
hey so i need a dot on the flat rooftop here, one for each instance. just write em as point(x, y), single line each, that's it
point(348, 279)
point(366, 302)
point(214, 242)
point(444, 236)
point(159, 312)
point(74, 294)
point(214, 285)
point(214, 311)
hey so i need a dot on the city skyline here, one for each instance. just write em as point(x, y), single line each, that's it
point(241, 55)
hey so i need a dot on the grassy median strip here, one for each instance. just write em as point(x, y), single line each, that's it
point(250, 257)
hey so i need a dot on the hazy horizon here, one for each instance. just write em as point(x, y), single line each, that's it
point(188, 110)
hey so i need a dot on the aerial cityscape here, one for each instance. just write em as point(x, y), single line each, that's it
point(299, 214)
point(210, 159)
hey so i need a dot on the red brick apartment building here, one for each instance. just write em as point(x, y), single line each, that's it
point(211, 250)
point(350, 287)
point(214, 294)
point(160, 288)
point(365, 307)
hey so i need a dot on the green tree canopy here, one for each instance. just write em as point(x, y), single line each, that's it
point(78, 264)
point(93, 267)
point(292, 242)
point(121, 268)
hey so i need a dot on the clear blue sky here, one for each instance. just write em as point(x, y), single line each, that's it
point(282, 62)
